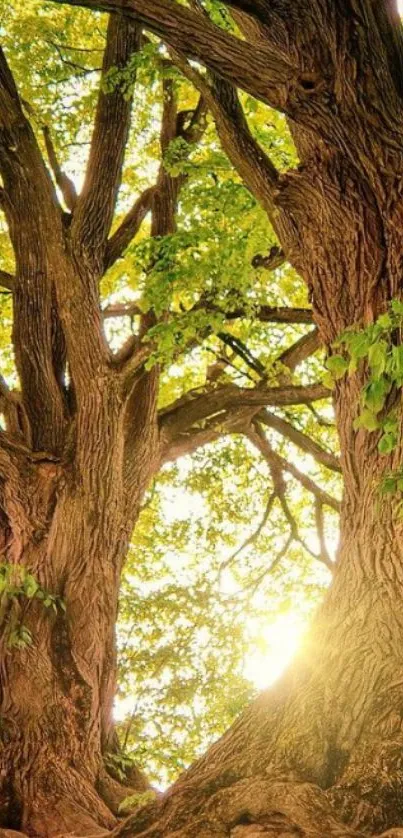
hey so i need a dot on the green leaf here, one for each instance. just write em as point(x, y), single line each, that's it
point(377, 355)
point(30, 586)
point(385, 321)
point(328, 381)
point(387, 443)
point(358, 344)
point(397, 307)
point(388, 486)
point(337, 366)
point(366, 420)
point(374, 394)
point(397, 364)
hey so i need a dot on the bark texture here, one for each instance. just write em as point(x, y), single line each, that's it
point(320, 754)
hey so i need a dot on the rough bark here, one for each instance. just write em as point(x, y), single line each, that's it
point(71, 532)
point(320, 754)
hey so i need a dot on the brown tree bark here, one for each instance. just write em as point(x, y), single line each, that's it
point(71, 530)
point(320, 754)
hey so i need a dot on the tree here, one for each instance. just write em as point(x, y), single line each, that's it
point(84, 433)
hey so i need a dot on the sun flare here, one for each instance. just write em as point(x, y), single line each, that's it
point(277, 644)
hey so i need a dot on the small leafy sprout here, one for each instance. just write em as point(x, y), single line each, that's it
point(16, 583)
point(119, 763)
point(380, 346)
point(19, 637)
point(392, 484)
point(135, 801)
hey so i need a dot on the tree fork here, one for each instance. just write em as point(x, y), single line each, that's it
point(320, 753)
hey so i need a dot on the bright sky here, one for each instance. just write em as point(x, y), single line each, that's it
point(400, 6)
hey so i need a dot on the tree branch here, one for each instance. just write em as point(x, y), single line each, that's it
point(320, 529)
point(300, 350)
point(251, 538)
point(187, 410)
point(7, 280)
point(64, 183)
point(266, 314)
point(129, 227)
point(96, 203)
point(165, 197)
point(32, 215)
point(274, 259)
point(277, 465)
point(267, 77)
point(281, 464)
point(175, 445)
point(254, 166)
point(304, 442)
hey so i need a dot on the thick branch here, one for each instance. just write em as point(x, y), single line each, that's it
point(254, 166)
point(187, 410)
point(266, 314)
point(274, 259)
point(165, 195)
point(64, 183)
point(7, 280)
point(266, 77)
point(96, 204)
point(33, 216)
point(187, 442)
point(300, 350)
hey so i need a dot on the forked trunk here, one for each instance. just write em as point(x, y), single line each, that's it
point(320, 754)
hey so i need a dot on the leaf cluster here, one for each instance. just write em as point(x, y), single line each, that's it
point(377, 352)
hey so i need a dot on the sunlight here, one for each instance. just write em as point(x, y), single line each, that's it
point(400, 7)
point(276, 645)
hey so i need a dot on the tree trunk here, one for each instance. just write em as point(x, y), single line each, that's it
point(57, 689)
point(321, 753)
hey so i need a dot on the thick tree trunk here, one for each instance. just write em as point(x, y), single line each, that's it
point(320, 753)
point(57, 690)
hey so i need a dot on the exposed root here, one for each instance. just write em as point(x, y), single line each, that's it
point(251, 808)
point(60, 803)
point(257, 805)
